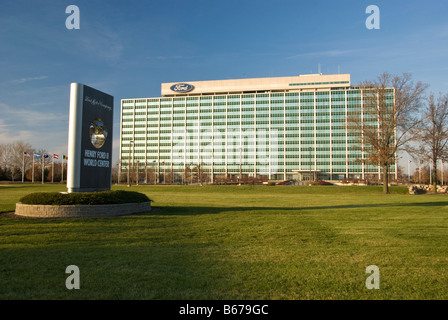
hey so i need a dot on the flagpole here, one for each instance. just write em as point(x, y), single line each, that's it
point(430, 172)
point(23, 167)
point(62, 169)
point(43, 169)
point(119, 171)
point(52, 169)
point(409, 171)
point(146, 171)
point(442, 172)
point(420, 171)
point(32, 179)
point(138, 174)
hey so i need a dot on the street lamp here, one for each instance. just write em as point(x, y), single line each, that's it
point(309, 153)
point(240, 176)
point(129, 163)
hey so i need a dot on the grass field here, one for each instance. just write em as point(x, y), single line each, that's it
point(233, 242)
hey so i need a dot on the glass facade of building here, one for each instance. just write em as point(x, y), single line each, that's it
point(294, 134)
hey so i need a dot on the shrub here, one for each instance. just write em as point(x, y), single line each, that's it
point(84, 198)
point(321, 183)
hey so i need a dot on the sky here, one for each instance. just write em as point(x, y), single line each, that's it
point(128, 48)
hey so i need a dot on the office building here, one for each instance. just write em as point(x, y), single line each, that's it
point(277, 128)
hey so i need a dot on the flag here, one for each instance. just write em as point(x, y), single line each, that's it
point(26, 154)
point(45, 155)
point(37, 155)
point(64, 157)
point(55, 156)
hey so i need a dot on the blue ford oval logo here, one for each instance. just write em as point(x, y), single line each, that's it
point(181, 87)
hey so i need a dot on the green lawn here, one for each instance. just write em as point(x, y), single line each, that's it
point(233, 242)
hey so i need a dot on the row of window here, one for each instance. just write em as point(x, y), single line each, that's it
point(279, 105)
point(246, 97)
point(237, 113)
point(292, 102)
point(266, 102)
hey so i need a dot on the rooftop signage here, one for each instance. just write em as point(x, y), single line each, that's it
point(182, 87)
point(230, 86)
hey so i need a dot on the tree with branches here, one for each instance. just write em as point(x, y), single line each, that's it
point(432, 133)
point(12, 157)
point(387, 120)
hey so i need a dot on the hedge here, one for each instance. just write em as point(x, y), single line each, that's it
point(84, 198)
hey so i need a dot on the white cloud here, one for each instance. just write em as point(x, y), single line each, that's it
point(28, 117)
point(39, 128)
point(327, 53)
point(23, 80)
point(9, 134)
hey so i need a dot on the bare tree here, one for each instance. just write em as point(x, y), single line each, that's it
point(387, 120)
point(188, 177)
point(421, 175)
point(12, 157)
point(3, 153)
point(17, 158)
point(433, 133)
point(41, 163)
point(16, 153)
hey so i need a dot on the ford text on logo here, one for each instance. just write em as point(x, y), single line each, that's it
point(181, 87)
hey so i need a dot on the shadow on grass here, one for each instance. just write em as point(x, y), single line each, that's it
point(2, 187)
point(186, 211)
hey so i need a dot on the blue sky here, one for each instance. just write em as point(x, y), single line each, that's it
point(128, 48)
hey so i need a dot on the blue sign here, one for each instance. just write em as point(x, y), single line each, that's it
point(182, 87)
point(90, 139)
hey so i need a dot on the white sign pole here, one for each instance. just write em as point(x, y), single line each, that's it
point(74, 137)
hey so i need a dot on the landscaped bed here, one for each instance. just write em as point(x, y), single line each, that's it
point(84, 198)
point(83, 204)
